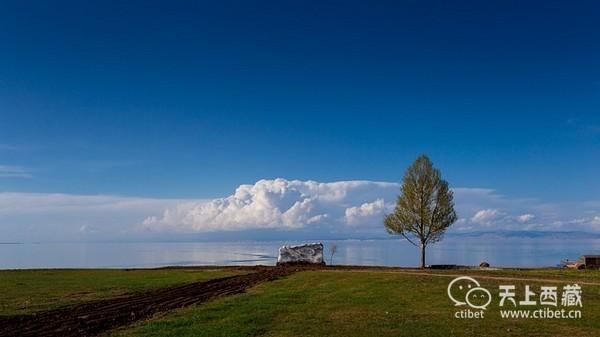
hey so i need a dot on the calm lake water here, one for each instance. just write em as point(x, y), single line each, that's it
point(505, 252)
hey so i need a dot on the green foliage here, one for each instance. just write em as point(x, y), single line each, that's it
point(425, 206)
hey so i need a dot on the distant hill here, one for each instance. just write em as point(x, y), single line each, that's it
point(530, 234)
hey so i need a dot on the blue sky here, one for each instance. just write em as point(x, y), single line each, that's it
point(189, 100)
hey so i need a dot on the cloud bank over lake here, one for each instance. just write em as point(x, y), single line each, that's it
point(287, 208)
point(359, 206)
point(284, 205)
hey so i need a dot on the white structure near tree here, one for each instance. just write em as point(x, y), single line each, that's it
point(311, 253)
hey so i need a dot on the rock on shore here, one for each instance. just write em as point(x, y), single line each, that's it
point(311, 253)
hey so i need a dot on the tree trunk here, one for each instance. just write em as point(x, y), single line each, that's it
point(422, 255)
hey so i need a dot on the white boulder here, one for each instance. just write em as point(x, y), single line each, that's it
point(311, 253)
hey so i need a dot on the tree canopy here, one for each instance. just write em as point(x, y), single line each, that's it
point(424, 208)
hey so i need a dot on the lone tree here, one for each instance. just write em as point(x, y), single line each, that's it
point(425, 206)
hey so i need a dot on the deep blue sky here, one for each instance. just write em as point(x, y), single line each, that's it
point(190, 99)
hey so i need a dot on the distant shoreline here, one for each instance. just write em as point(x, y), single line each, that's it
point(252, 267)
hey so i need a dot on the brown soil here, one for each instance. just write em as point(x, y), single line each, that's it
point(92, 318)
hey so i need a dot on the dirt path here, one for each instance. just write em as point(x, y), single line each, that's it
point(92, 318)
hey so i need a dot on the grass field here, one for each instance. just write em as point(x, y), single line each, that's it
point(313, 303)
point(24, 291)
point(368, 303)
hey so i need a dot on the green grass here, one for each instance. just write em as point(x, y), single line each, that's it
point(589, 275)
point(373, 303)
point(24, 291)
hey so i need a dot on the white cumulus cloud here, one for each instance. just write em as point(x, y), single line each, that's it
point(525, 218)
point(486, 216)
point(372, 212)
point(278, 207)
point(280, 204)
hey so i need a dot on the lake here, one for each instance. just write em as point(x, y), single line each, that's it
point(498, 251)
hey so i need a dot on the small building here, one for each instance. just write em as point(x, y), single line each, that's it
point(591, 261)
